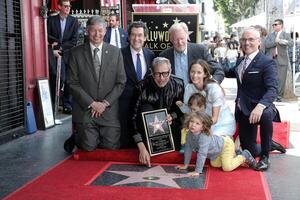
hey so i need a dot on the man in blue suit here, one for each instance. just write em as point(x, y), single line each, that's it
point(114, 35)
point(257, 81)
point(137, 34)
point(62, 36)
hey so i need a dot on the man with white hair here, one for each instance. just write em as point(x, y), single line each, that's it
point(257, 81)
point(183, 53)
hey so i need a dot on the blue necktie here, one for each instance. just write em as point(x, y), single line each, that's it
point(138, 67)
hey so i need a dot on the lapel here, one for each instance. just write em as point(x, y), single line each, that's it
point(148, 60)
point(130, 64)
point(68, 23)
point(172, 59)
point(251, 65)
point(89, 59)
point(189, 54)
point(105, 59)
point(57, 24)
point(108, 34)
point(236, 69)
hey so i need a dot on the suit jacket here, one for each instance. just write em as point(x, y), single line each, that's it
point(85, 88)
point(69, 38)
point(282, 47)
point(259, 83)
point(196, 51)
point(123, 36)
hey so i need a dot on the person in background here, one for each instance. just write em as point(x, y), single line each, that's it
point(297, 53)
point(263, 33)
point(62, 32)
point(183, 53)
point(115, 35)
point(276, 45)
point(220, 150)
point(97, 79)
point(137, 63)
point(157, 91)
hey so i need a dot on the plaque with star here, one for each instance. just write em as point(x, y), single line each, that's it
point(158, 132)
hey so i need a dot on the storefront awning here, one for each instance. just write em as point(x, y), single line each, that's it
point(259, 19)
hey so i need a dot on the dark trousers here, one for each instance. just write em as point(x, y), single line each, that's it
point(248, 132)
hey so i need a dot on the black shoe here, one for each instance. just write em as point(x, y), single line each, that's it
point(263, 164)
point(70, 144)
point(278, 147)
point(67, 110)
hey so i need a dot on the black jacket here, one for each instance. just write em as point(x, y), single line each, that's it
point(148, 93)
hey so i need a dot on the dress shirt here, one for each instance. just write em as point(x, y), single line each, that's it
point(143, 60)
point(181, 66)
point(113, 37)
point(99, 52)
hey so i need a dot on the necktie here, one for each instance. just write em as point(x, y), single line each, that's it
point(116, 38)
point(97, 62)
point(138, 67)
point(244, 67)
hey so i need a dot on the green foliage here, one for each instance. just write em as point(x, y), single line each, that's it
point(235, 10)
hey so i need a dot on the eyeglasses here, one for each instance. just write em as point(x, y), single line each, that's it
point(275, 24)
point(248, 39)
point(67, 6)
point(159, 74)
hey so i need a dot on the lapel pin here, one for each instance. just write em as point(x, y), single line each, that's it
point(106, 52)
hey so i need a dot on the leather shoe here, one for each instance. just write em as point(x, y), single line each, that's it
point(67, 110)
point(70, 144)
point(263, 164)
point(278, 147)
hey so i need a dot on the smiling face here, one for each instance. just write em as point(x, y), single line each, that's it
point(195, 125)
point(179, 39)
point(197, 74)
point(161, 74)
point(64, 8)
point(137, 38)
point(250, 41)
point(96, 34)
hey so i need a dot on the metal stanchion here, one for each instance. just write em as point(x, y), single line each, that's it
point(57, 91)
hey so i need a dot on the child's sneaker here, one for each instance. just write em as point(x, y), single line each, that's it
point(249, 159)
point(181, 151)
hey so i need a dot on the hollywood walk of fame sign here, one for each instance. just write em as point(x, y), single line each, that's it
point(158, 132)
point(157, 176)
point(159, 23)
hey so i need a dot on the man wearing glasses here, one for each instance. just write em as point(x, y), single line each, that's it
point(276, 45)
point(62, 36)
point(156, 91)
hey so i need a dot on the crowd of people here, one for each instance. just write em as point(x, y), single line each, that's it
point(113, 79)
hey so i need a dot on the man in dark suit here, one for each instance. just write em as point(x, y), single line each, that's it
point(276, 47)
point(183, 53)
point(62, 36)
point(137, 63)
point(97, 79)
point(114, 35)
point(257, 81)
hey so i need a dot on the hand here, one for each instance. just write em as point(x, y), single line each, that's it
point(169, 119)
point(256, 113)
point(97, 108)
point(144, 156)
point(57, 53)
point(182, 167)
point(179, 103)
point(54, 44)
point(193, 174)
point(277, 40)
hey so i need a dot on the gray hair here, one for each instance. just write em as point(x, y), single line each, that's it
point(159, 61)
point(253, 30)
point(96, 20)
point(179, 26)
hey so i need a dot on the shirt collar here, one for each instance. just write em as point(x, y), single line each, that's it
point(134, 52)
point(252, 55)
point(93, 46)
point(177, 53)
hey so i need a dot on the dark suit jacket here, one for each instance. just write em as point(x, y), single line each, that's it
point(125, 99)
point(70, 37)
point(259, 83)
point(123, 36)
point(85, 88)
point(196, 51)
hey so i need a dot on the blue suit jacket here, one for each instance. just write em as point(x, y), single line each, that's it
point(123, 36)
point(259, 83)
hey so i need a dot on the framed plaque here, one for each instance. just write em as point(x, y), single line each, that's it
point(158, 132)
point(45, 102)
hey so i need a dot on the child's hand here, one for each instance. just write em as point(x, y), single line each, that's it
point(179, 103)
point(182, 167)
point(193, 174)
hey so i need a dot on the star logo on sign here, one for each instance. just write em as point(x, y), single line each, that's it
point(176, 20)
point(155, 175)
point(165, 25)
point(157, 125)
point(190, 32)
